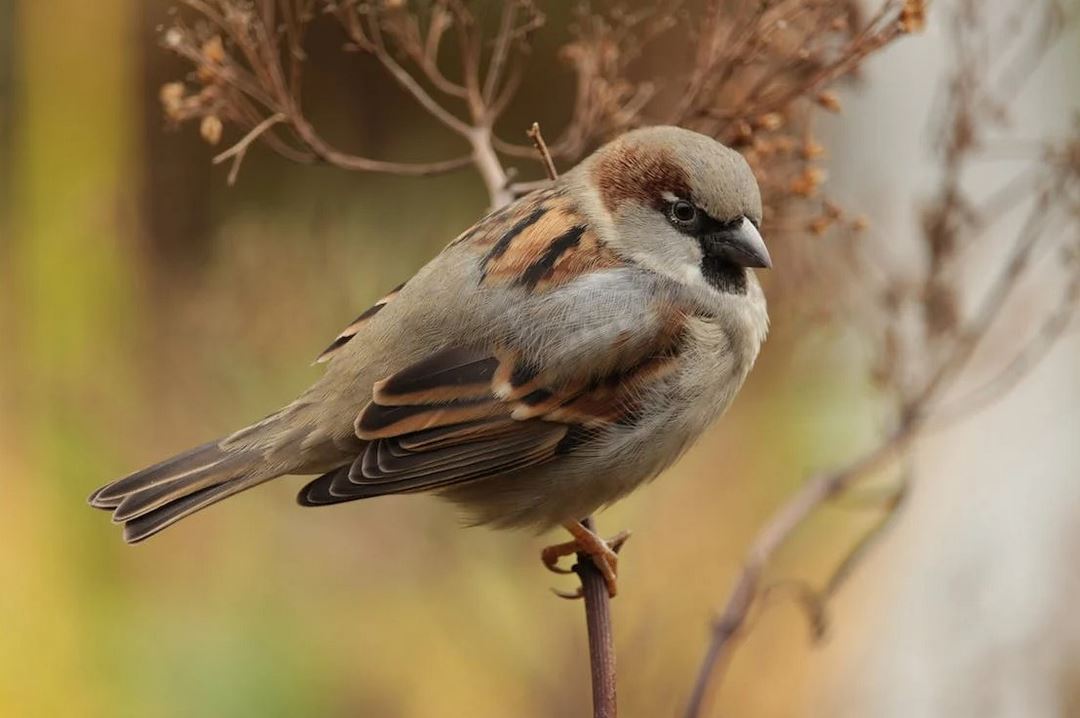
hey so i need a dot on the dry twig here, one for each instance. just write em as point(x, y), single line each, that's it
point(601, 635)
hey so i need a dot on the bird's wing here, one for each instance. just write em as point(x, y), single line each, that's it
point(355, 325)
point(464, 414)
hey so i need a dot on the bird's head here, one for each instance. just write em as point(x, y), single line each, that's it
point(680, 203)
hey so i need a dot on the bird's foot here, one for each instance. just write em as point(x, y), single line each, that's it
point(604, 555)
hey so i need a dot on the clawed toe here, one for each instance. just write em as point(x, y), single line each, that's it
point(604, 555)
point(551, 555)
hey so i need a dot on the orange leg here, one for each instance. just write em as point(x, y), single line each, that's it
point(604, 554)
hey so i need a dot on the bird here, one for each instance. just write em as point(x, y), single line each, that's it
point(558, 354)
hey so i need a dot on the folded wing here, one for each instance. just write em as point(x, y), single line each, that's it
point(466, 414)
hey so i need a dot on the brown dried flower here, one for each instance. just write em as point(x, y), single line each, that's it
point(913, 16)
point(210, 128)
point(829, 101)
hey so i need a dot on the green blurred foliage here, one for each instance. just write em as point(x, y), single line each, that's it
point(147, 307)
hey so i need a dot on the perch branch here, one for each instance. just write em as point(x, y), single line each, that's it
point(598, 624)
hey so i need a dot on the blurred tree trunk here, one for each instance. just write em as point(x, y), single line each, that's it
point(72, 304)
point(7, 91)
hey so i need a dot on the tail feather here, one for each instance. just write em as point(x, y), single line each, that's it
point(171, 469)
point(143, 501)
point(151, 499)
point(148, 524)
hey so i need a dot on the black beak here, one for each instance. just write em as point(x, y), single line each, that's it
point(740, 244)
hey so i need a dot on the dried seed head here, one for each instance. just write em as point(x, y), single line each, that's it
point(913, 16)
point(812, 149)
point(743, 132)
point(173, 37)
point(210, 129)
point(769, 122)
point(829, 101)
point(807, 183)
point(213, 55)
point(819, 225)
point(213, 50)
point(171, 96)
point(784, 143)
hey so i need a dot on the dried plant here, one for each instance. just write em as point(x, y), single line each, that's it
point(923, 336)
point(753, 73)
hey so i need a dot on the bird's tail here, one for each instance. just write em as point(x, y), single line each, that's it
point(156, 497)
point(149, 500)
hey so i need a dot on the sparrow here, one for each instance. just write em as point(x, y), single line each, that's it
point(558, 354)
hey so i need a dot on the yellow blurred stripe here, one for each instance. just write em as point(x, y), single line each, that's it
point(72, 199)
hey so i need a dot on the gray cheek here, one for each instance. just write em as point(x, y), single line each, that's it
point(655, 244)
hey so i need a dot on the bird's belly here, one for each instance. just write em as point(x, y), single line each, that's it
point(576, 485)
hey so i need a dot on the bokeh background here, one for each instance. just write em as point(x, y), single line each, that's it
point(146, 307)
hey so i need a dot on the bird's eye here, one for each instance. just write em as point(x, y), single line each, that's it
point(682, 212)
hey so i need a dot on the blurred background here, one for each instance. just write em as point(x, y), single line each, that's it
point(146, 306)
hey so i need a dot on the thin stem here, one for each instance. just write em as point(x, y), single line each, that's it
point(239, 150)
point(488, 165)
point(598, 623)
point(542, 149)
point(502, 49)
point(729, 624)
point(989, 308)
point(353, 162)
point(410, 84)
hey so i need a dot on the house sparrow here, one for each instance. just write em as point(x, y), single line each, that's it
point(552, 358)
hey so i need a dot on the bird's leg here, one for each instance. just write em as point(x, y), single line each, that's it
point(604, 554)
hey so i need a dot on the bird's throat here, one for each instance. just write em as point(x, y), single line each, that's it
point(723, 274)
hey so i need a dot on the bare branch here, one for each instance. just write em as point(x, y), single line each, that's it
point(347, 161)
point(400, 74)
point(239, 150)
point(728, 626)
point(236, 90)
point(426, 56)
point(502, 49)
point(1021, 365)
point(542, 149)
point(601, 635)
